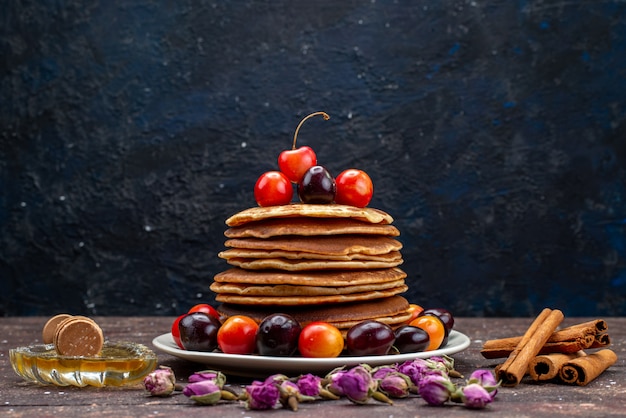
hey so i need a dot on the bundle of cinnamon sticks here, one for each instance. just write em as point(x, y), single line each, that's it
point(546, 353)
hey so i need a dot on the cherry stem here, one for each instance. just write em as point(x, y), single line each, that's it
point(295, 135)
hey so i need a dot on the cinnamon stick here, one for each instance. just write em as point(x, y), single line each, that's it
point(548, 366)
point(566, 347)
point(582, 370)
point(600, 341)
point(567, 340)
point(596, 326)
point(514, 368)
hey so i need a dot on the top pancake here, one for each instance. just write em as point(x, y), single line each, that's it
point(303, 226)
point(370, 215)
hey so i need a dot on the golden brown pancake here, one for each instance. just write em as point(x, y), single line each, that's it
point(309, 227)
point(303, 265)
point(308, 278)
point(295, 290)
point(331, 245)
point(309, 300)
point(347, 313)
point(331, 263)
point(293, 255)
point(371, 215)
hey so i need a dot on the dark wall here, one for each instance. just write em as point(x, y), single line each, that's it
point(494, 132)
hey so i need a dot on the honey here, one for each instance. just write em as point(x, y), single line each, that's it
point(119, 364)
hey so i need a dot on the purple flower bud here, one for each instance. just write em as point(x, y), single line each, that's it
point(204, 392)
point(262, 395)
point(289, 388)
point(435, 389)
point(475, 396)
point(415, 369)
point(382, 371)
point(444, 363)
point(357, 384)
point(290, 395)
point(161, 382)
point(395, 385)
point(216, 377)
point(276, 378)
point(309, 384)
point(333, 378)
point(486, 379)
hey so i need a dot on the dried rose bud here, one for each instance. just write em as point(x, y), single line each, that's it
point(332, 380)
point(395, 385)
point(436, 389)
point(416, 369)
point(290, 395)
point(444, 363)
point(382, 371)
point(475, 396)
point(262, 395)
point(486, 379)
point(216, 377)
point(309, 384)
point(276, 378)
point(289, 388)
point(160, 382)
point(357, 385)
point(204, 392)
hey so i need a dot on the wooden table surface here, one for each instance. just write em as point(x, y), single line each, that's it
point(604, 397)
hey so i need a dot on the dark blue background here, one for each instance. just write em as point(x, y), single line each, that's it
point(494, 132)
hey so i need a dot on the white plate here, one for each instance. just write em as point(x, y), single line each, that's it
point(263, 366)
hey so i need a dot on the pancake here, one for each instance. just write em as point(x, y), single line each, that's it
point(302, 226)
point(277, 301)
point(391, 307)
point(302, 265)
point(321, 278)
point(293, 255)
point(295, 290)
point(370, 215)
point(328, 245)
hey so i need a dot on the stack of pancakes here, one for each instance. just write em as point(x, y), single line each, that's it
point(332, 263)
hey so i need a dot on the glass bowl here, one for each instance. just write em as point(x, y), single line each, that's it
point(119, 364)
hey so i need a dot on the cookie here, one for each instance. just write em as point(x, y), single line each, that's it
point(78, 336)
point(47, 335)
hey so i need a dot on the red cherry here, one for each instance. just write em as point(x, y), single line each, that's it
point(206, 308)
point(273, 188)
point(354, 187)
point(176, 332)
point(295, 162)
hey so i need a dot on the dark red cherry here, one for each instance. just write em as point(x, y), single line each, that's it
point(278, 335)
point(317, 186)
point(369, 338)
